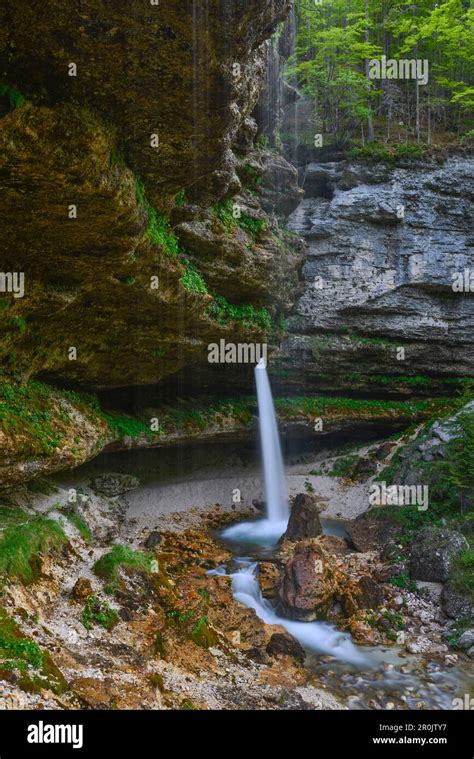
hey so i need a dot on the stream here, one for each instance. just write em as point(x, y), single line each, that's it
point(362, 677)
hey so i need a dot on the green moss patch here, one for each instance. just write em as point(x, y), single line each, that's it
point(35, 417)
point(98, 612)
point(22, 655)
point(14, 97)
point(158, 227)
point(250, 317)
point(332, 408)
point(461, 574)
point(127, 426)
point(223, 213)
point(120, 556)
point(192, 280)
point(24, 539)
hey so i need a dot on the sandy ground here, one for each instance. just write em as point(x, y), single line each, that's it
point(221, 485)
point(233, 488)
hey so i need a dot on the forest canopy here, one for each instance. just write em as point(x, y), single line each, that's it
point(337, 43)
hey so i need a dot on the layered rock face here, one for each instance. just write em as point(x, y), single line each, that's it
point(385, 247)
point(188, 71)
point(125, 109)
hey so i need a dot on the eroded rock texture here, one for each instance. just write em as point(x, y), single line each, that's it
point(384, 248)
point(96, 279)
point(189, 71)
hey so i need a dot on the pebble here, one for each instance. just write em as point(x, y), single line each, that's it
point(451, 659)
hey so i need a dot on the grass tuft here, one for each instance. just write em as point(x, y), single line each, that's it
point(23, 540)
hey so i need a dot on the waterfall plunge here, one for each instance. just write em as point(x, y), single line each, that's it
point(276, 496)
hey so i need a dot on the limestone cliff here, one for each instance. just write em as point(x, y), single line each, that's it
point(385, 247)
point(114, 234)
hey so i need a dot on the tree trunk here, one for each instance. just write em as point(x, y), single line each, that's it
point(370, 123)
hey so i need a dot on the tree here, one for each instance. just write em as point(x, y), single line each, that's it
point(336, 41)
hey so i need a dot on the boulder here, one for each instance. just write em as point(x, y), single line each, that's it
point(82, 589)
point(269, 578)
point(283, 644)
point(421, 645)
point(304, 518)
point(308, 586)
point(370, 534)
point(466, 641)
point(454, 605)
point(114, 484)
point(432, 553)
point(365, 593)
point(153, 539)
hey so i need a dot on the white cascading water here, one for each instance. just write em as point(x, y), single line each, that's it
point(317, 637)
point(276, 494)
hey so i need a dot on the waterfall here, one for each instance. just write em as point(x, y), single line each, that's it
point(270, 529)
point(276, 495)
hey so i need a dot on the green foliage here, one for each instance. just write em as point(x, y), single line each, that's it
point(180, 199)
point(202, 634)
point(35, 413)
point(396, 381)
point(250, 317)
point(20, 323)
point(26, 409)
point(126, 426)
point(192, 280)
point(158, 228)
point(15, 98)
point(80, 524)
point(17, 652)
point(24, 539)
point(450, 482)
point(461, 574)
point(459, 627)
point(376, 152)
point(336, 40)
point(403, 581)
point(34, 668)
point(120, 556)
point(98, 612)
point(343, 466)
point(460, 459)
point(187, 705)
point(253, 226)
point(341, 407)
point(467, 136)
point(224, 213)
